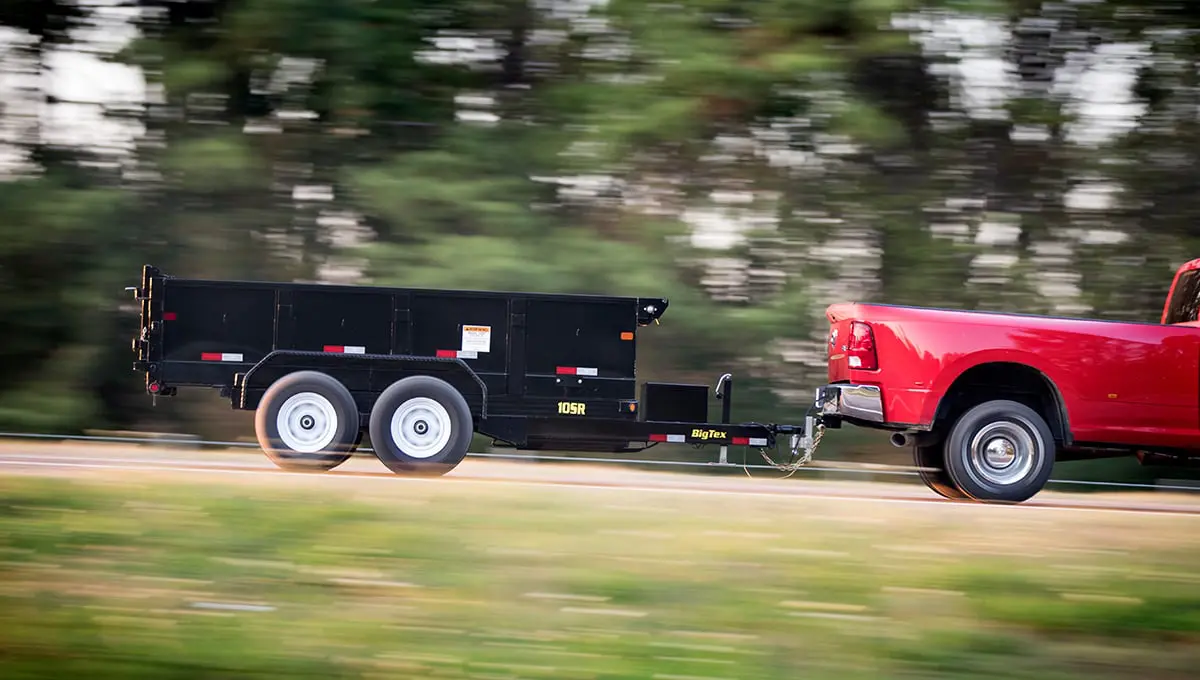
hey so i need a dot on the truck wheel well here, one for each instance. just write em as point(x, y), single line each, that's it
point(1004, 380)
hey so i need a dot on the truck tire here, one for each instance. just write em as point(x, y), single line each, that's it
point(307, 421)
point(1000, 451)
point(421, 426)
point(938, 481)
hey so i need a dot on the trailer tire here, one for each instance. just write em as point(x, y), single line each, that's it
point(938, 480)
point(307, 421)
point(1000, 452)
point(421, 426)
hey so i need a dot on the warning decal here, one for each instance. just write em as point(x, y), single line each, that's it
point(477, 338)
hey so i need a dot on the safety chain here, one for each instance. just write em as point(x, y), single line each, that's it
point(791, 468)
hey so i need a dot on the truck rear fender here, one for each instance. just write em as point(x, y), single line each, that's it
point(983, 378)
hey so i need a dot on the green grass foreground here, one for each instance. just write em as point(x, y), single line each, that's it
point(148, 577)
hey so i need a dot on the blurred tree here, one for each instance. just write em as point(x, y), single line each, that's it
point(60, 243)
point(752, 161)
point(1157, 205)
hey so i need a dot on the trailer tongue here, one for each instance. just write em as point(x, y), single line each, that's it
point(419, 371)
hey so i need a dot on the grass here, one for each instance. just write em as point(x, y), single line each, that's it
point(155, 576)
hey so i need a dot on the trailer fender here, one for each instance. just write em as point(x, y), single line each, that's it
point(365, 375)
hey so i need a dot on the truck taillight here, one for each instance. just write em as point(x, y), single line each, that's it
point(860, 350)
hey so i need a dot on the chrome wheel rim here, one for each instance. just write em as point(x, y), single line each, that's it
point(307, 422)
point(421, 427)
point(1004, 453)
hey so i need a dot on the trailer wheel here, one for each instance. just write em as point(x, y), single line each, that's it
point(421, 426)
point(1000, 451)
point(938, 481)
point(307, 421)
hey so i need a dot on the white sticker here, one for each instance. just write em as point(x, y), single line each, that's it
point(477, 339)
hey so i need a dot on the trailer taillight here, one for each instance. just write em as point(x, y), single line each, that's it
point(860, 350)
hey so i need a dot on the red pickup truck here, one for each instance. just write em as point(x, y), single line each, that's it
point(989, 401)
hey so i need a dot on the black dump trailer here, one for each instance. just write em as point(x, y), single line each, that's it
point(419, 371)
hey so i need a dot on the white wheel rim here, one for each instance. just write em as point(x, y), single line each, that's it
point(307, 422)
point(421, 427)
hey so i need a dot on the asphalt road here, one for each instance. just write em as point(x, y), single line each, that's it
point(77, 459)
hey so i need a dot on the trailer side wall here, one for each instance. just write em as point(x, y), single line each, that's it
point(533, 352)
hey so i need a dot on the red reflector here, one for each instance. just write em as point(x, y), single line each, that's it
point(587, 371)
point(447, 353)
point(210, 356)
point(658, 437)
point(168, 316)
point(344, 349)
point(740, 441)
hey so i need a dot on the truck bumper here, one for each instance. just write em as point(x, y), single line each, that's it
point(862, 403)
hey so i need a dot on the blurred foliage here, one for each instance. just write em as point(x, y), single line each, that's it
point(754, 162)
point(115, 578)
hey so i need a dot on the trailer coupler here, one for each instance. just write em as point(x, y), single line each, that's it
point(802, 444)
